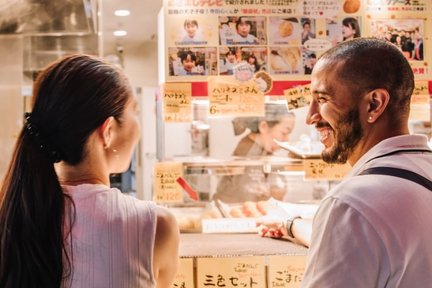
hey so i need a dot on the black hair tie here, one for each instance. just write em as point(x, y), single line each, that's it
point(32, 130)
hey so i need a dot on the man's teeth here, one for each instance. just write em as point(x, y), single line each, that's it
point(324, 133)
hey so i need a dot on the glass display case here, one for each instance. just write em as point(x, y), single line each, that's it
point(237, 165)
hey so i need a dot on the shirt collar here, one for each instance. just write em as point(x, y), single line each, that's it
point(402, 142)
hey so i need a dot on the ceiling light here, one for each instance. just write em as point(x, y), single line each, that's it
point(122, 12)
point(120, 33)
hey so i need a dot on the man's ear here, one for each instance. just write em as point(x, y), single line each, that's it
point(106, 131)
point(377, 100)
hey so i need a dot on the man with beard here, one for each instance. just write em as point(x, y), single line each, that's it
point(373, 229)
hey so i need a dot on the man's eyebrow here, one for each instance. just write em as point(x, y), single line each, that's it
point(318, 91)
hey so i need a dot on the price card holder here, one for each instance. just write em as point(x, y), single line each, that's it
point(231, 272)
point(166, 188)
point(184, 277)
point(317, 169)
point(298, 97)
point(286, 271)
point(229, 225)
point(235, 98)
point(177, 102)
point(420, 102)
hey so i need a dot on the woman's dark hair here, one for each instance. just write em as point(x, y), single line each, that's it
point(185, 54)
point(243, 19)
point(71, 98)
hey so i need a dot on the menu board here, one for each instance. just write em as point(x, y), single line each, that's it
point(235, 98)
point(166, 188)
point(317, 169)
point(177, 102)
point(286, 271)
point(420, 102)
point(185, 274)
point(285, 37)
point(231, 272)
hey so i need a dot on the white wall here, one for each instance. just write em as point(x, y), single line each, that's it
point(141, 66)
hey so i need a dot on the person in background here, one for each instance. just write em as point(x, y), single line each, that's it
point(243, 28)
point(228, 63)
point(189, 62)
point(253, 62)
point(373, 229)
point(418, 46)
point(254, 185)
point(191, 28)
point(306, 33)
point(61, 224)
point(309, 63)
point(350, 28)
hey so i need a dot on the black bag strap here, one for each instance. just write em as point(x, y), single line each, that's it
point(398, 172)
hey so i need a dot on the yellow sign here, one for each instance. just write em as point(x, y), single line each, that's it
point(318, 169)
point(298, 97)
point(184, 277)
point(166, 188)
point(235, 98)
point(177, 102)
point(420, 102)
point(286, 271)
point(231, 272)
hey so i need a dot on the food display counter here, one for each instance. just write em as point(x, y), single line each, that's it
point(193, 245)
point(239, 260)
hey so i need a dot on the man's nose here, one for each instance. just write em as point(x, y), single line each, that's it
point(313, 115)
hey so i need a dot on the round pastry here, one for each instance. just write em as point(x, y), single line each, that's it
point(285, 29)
point(351, 6)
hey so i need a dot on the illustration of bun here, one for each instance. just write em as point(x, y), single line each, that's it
point(264, 81)
point(285, 29)
point(351, 6)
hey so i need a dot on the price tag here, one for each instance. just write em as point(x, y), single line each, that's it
point(320, 170)
point(235, 98)
point(177, 102)
point(298, 97)
point(229, 225)
point(166, 188)
point(420, 102)
point(184, 277)
point(231, 272)
point(286, 271)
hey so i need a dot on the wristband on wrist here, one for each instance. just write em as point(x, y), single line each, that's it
point(289, 224)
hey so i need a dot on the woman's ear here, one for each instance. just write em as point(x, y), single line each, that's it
point(378, 100)
point(263, 127)
point(106, 131)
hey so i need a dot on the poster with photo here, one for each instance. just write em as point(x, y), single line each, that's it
point(293, 33)
point(343, 29)
point(194, 61)
point(406, 34)
point(284, 31)
point(242, 30)
point(230, 56)
point(285, 60)
point(192, 30)
point(396, 6)
point(309, 60)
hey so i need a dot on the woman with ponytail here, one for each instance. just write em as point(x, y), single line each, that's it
point(61, 225)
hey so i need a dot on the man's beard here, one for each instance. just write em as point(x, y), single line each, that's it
point(347, 136)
